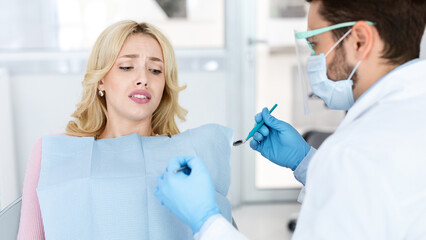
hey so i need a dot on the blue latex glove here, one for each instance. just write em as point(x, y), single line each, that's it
point(279, 142)
point(191, 197)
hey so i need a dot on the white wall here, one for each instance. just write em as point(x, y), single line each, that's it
point(23, 18)
point(205, 98)
point(8, 168)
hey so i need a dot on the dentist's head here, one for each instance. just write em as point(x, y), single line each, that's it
point(384, 35)
point(130, 85)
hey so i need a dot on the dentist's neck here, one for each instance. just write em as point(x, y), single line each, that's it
point(369, 73)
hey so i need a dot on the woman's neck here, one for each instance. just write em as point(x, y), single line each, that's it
point(117, 128)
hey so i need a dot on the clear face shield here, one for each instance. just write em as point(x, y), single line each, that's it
point(303, 51)
point(306, 48)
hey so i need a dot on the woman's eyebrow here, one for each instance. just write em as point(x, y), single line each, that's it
point(155, 59)
point(130, 56)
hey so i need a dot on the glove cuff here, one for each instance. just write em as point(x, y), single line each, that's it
point(197, 226)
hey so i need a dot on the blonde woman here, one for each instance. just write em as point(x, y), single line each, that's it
point(97, 181)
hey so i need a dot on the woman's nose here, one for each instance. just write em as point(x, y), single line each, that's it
point(143, 83)
point(142, 80)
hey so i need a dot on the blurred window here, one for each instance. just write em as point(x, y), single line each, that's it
point(75, 25)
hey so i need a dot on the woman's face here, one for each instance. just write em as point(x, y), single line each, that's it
point(134, 85)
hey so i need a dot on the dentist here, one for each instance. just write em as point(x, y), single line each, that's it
point(367, 180)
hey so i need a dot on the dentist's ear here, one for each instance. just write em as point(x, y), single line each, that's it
point(364, 41)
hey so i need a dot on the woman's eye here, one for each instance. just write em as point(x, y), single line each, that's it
point(155, 71)
point(126, 68)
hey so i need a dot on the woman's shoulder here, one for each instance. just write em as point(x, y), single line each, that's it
point(37, 147)
point(58, 141)
point(62, 142)
point(64, 137)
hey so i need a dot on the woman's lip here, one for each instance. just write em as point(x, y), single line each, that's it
point(140, 92)
point(140, 100)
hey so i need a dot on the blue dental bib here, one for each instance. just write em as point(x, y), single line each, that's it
point(104, 189)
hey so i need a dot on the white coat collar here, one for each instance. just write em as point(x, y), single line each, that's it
point(387, 86)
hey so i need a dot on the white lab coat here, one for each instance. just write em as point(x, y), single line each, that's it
point(367, 180)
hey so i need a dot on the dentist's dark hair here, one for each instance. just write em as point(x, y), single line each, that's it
point(400, 23)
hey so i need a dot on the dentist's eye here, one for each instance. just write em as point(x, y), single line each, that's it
point(155, 71)
point(126, 68)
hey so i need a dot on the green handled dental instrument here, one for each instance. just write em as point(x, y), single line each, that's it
point(254, 130)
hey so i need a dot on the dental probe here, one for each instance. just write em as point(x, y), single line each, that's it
point(185, 169)
point(254, 130)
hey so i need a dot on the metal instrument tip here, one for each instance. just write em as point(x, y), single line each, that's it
point(239, 142)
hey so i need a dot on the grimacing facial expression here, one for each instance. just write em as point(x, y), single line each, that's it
point(134, 86)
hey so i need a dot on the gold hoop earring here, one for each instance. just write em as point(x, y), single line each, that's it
point(101, 93)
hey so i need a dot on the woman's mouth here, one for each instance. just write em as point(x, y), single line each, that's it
point(140, 97)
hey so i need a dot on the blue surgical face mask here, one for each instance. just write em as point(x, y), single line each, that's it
point(336, 94)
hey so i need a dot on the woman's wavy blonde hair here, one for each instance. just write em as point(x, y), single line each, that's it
point(90, 116)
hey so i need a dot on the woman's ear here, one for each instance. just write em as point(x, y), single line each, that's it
point(364, 40)
point(101, 84)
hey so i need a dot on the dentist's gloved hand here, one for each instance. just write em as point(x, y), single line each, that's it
point(279, 142)
point(191, 197)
